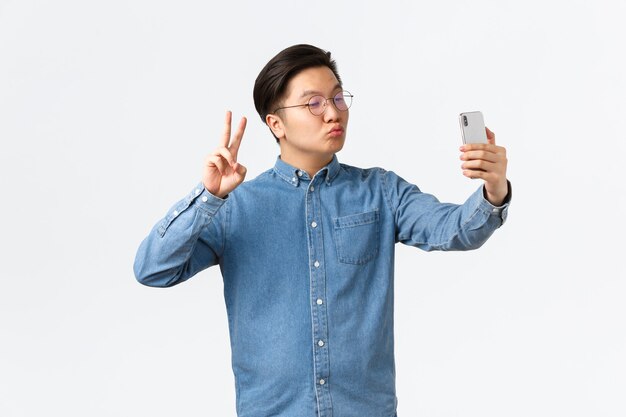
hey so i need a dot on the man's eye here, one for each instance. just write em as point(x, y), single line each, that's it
point(315, 102)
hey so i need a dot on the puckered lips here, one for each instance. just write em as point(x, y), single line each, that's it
point(336, 131)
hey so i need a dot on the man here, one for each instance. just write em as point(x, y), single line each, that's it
point(306, 249)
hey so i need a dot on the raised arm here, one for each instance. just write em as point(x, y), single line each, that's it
point(423, 221)
point(190, 237)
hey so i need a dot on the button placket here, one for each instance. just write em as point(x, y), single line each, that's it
point(319, 312)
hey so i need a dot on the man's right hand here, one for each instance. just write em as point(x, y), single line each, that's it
point(222, 173)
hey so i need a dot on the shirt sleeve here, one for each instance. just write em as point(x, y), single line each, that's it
point(423, 221)
point(189, 239)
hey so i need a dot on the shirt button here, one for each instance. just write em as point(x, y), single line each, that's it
point(314, 225)
point(320, 343)
point(175, 213)
point(197, 191)
point(322, 382)
point(319, 302)
point(312, 188)
point(299, 173)
point(317, 264)
point(496, 210)
point(205, 199)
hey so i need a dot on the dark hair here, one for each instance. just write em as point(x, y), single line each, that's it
point(271, 83)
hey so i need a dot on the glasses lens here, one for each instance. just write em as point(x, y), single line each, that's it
point(317, 104)
point(343, 101)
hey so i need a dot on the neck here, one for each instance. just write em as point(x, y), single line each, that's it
point(311, 164)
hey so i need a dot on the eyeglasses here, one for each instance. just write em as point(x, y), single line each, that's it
point(317, 104)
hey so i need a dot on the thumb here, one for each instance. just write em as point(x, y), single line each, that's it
point(491, 137)
point(240, 169)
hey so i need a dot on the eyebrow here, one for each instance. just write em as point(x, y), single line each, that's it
point(309, 92)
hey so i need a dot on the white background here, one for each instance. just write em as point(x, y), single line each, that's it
point(107, 109)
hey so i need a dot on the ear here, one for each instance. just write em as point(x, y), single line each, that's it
point(276, 125)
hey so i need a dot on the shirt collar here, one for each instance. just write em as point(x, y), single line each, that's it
point(294, 175)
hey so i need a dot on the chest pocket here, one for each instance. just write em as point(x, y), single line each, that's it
point(357, 237)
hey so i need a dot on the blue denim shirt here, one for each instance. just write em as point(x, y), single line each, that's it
point(308, 266)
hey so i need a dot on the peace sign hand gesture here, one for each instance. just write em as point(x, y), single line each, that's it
point(222, 173)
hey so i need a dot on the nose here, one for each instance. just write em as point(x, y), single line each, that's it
point(331, 113)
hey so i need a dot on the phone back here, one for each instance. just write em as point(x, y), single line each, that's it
point(473, 127)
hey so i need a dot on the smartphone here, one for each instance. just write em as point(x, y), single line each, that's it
point(473, 127)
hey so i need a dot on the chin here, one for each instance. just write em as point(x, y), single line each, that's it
point(336, 145)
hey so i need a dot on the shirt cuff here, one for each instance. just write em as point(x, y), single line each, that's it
point(206, 201)
point(501, 210)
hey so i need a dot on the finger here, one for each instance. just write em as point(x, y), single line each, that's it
point(226, 135)
point(475, 147)
point(484, 147)
point(484, 155)
point(218, 162)
point(226, 154)
point(236, 142)
point(488, 177)
point(478, 165)
point(474, 174)
point(481, 174)
point(241, 171)
point(491, 137)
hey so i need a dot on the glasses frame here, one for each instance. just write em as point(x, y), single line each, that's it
point(343, 93)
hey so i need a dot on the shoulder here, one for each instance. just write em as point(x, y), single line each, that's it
point(362, 174)
point(264, 183)
point(258, 181)
point(373, 174)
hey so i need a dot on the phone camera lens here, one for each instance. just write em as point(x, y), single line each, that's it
point(465, 120)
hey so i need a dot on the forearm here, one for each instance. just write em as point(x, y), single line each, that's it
point(186, 241)
point(426, 223)
point(477, 220)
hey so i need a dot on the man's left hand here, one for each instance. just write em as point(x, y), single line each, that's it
point(488, 162)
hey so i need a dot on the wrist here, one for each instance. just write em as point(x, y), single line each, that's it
point(499, 195)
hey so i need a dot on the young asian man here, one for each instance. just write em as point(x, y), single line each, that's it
point(306, 249)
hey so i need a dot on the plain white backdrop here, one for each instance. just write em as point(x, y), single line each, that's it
point(107, 109)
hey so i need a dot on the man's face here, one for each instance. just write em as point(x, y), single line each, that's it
point(304, 136)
